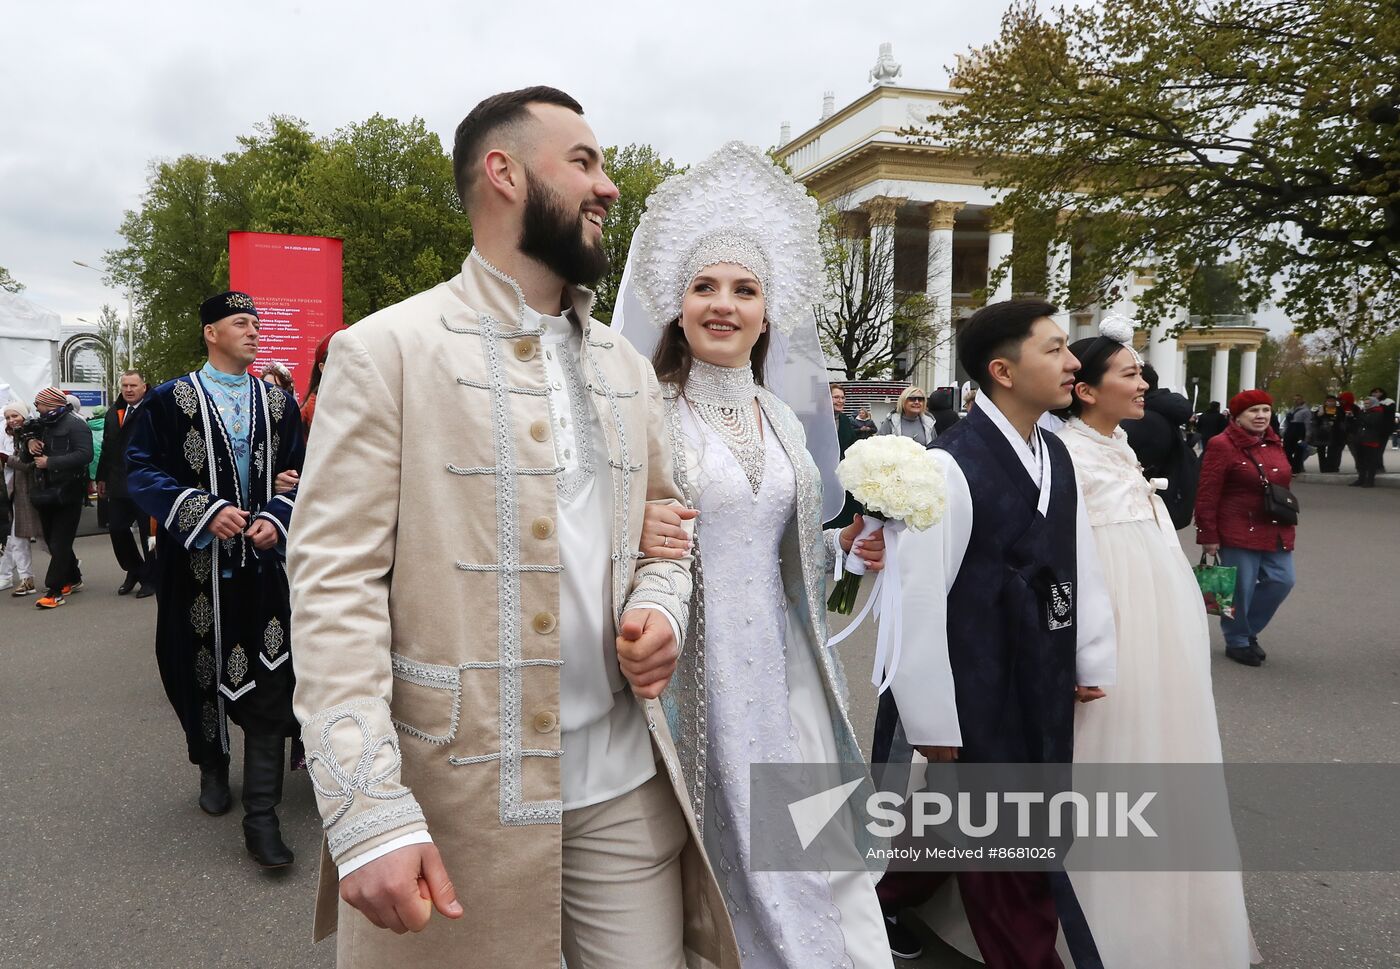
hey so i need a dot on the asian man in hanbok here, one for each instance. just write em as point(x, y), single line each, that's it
point(1006, 621)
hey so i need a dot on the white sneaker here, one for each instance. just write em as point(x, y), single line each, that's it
point(6, 584)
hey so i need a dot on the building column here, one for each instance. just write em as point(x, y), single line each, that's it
point(1249, 365)
point(1178, 382)
point(938, 287)
point(1057, 276)
point(1220, 374)
point(999, 242)
point(883, 211)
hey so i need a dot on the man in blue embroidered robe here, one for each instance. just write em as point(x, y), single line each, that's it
point(1007, 623)
point(207, 458)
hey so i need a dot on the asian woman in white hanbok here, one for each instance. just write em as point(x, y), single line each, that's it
point(1162, 710)
point(726, 263)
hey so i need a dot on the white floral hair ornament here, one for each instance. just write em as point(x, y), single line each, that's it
point(1119, 329)
point(735, 206)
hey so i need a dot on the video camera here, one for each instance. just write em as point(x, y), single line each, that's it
point(31, 430)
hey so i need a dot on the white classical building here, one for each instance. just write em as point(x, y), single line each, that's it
point(931, 212)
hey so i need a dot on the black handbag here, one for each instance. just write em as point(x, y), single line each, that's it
point(1280, 504)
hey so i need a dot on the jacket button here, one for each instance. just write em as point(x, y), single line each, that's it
point(544, 623)
point(526, 349)
point(545, 722)
point(539, 430)
point(542, 528)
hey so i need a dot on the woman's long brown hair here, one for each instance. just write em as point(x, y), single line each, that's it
point(673, 359)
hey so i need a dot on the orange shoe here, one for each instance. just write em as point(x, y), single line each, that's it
point(50, 600)
point(68, 590)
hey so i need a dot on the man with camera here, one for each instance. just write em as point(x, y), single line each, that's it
point(59, 445)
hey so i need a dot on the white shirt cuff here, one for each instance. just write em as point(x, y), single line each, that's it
point(402, 841)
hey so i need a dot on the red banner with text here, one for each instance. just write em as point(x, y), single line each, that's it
point(295, 283)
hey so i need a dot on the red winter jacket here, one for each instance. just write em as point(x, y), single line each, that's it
point(1230, 496)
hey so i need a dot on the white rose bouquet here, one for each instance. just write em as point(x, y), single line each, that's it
point(900, 485)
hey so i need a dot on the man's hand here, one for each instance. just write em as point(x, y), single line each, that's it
point(42, 461)
point(229, 522)
point(102, 489)
point(1088, 694)
point(399, 891)
point(285, 482)
point(646, 651)
point(263, 534)
point(663, 534)
point(939, 755)
point(36, 447)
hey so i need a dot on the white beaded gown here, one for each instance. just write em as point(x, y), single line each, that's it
point(766, 701)
point(1160, 710)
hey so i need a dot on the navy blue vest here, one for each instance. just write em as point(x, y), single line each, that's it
point(1011, 611)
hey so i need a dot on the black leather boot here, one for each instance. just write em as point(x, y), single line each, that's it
point(262, 792)
point(214, 796)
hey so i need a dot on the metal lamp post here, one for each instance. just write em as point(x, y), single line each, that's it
point(127, 294)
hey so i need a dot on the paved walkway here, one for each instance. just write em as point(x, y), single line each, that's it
point(107, 863)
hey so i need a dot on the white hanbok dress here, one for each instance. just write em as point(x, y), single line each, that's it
point(1160, 711)
point(770, 694)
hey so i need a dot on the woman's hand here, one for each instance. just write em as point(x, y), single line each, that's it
point(871, 548)
point(286, 481)
point(663, 532)
point(1211, 549)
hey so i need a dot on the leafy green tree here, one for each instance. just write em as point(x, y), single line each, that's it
point(385, 187)
point(8, 283)
point(636, 170)
point(171, 259)
point(261, 186)
point(1255, 132)
point(112, 329)
point(382, 186)
point(1379, 366)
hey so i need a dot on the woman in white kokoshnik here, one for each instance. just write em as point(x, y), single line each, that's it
point(725, 266)
point(1162, 710)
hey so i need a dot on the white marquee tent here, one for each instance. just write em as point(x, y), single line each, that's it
point(29, 341)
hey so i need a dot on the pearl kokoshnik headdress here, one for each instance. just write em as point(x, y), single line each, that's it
point(736, 206)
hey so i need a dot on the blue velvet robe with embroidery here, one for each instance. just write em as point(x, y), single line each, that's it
point(223, 629)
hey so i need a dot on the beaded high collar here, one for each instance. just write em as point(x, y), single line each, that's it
point(723, 386)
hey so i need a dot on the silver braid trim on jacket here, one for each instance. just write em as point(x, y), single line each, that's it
point(514, 810)
point(685, 696)
point(357, 801)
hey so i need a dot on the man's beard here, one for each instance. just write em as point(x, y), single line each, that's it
point(554, 236)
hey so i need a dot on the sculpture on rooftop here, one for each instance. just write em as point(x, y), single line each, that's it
point(886, 69)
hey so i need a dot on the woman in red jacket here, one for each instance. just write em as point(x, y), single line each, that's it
point(1231, 520)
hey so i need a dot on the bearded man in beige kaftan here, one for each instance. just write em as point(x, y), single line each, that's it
point(479, 645)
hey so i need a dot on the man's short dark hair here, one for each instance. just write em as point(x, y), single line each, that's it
point(134, 373)
point(1149, 375)
point(488, 118)
point(998, 330)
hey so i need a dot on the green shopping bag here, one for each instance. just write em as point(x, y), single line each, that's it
point(1217, 584)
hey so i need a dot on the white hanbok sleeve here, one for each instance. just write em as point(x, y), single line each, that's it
point(1096, 639)
point(929, 562)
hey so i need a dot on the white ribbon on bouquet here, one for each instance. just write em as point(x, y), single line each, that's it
point(884, 601)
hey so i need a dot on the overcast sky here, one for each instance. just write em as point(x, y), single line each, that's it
point(93, 92)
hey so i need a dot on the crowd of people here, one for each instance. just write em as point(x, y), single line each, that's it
point(539, 592)
point(1339, 425)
